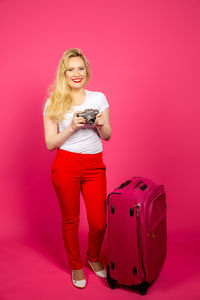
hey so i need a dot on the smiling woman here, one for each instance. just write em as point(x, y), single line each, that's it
point(78, 164)
point(75, 72)
point(65, 91)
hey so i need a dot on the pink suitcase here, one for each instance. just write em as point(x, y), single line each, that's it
point(137, 233)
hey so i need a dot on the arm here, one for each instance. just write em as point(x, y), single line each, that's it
point(53, 139)
point(102, 124)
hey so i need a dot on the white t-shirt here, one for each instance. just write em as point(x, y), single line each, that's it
point(85, 139)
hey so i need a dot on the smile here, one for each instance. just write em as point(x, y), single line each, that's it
point(77, 80)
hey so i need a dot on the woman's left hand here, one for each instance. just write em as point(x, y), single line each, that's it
point(99, 122)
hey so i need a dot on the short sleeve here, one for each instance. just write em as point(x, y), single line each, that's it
point(103, 103)
point(45, 106)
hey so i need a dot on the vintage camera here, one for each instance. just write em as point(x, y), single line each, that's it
point(89, 115)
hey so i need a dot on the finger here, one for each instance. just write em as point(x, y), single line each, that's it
point(77, 112)
point(82, 119)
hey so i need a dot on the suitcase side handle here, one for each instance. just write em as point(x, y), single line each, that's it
point(142, 187)
point(124, 184)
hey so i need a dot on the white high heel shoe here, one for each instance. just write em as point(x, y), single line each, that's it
point(102, 273)
point(79, 283)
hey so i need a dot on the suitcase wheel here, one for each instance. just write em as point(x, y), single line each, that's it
point(143, 292)
point(143, 288)
point(112, 285)
point(112, 282)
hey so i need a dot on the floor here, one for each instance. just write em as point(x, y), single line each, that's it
point(38, 269)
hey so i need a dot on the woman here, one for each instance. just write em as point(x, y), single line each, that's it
point(78, 164)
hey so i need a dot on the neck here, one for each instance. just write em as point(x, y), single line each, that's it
point(77, 93)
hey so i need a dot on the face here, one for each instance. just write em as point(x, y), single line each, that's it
point(76, 75)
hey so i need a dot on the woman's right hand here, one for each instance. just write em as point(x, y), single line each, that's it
point(77, 122)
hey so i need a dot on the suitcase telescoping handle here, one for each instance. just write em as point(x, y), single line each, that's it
point(137, 184)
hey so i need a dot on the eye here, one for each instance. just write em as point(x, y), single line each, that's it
point(81, 68)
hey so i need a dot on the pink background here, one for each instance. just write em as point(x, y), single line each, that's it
point(144, 57)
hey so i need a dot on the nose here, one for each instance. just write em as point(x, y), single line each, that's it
point(76, 72)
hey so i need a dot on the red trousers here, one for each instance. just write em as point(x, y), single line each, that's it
point(71, 173)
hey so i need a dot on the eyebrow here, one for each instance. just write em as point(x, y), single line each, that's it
point(72, 67)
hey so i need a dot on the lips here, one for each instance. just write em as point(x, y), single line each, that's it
point(77, 80)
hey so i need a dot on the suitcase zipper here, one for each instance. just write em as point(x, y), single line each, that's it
point(108, 205)
point(110, 195)
point(138, 237)
point(137, 209)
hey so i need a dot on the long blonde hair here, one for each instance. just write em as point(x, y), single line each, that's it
point(59, 93)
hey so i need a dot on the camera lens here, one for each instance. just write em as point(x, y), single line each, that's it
point(91, 121)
